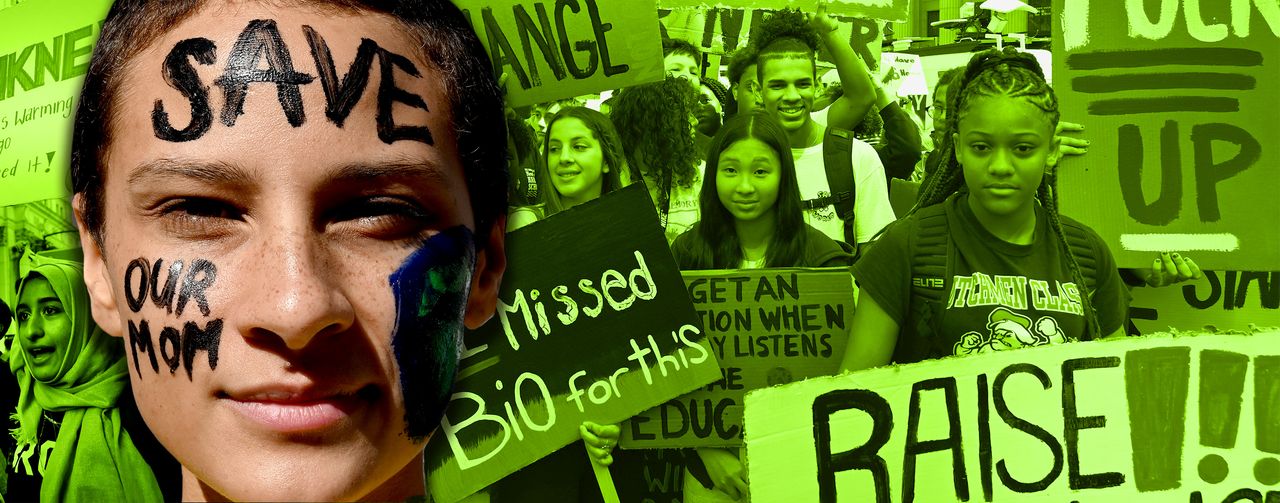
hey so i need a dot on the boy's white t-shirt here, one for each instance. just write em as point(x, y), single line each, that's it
point(872, 210)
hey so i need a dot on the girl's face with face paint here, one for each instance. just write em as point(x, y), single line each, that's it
point(44, 326)
point(319, 234)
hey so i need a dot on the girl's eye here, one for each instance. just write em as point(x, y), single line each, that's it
point(979, 147)
point(50, 310)
point(24, 316)
point(580, 148)
point(198, 216)
point(383, 217)
point(1024, 149)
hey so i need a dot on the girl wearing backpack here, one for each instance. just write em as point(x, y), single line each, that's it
point(984, 262)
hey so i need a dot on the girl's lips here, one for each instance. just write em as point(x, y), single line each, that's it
point(292, 412)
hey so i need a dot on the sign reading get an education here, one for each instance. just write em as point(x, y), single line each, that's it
point(585, 330)
point(1178, 98)
point(1144, 419)
point(554, 49)
point(768, 327)
point(45, 47)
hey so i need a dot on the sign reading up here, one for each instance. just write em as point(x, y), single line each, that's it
point(554, 49)
point(767, 327)
point(1156, 418)
point(586, 329)
point(1179, 100)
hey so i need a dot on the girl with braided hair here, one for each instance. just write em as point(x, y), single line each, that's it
point(991, 263)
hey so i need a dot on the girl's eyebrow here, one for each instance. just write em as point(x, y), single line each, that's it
point(211, 172)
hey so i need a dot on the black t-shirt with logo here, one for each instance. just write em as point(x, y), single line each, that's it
point(1000, 295)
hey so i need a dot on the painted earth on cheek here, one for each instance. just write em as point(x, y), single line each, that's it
point(431, 289)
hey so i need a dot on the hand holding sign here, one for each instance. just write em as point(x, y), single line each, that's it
point(600, 440)
point(820, 21)
point(1169, 269)
point(726, 471)
point(1068, 145)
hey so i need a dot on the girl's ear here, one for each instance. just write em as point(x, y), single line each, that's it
point(1055, 154)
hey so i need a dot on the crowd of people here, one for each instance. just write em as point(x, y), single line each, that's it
point(770, 171)
point(775, 172)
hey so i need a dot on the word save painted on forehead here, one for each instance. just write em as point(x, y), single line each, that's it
point(143, 280)
point(261, 42)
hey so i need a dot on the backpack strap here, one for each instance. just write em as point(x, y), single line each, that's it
point(1077, 238)
point(837, 158)
point(930, 255)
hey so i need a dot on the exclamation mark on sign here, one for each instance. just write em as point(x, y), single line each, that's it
point(1156, 387)
point(1221, 383)
point(1266, 416)
point(49, 156)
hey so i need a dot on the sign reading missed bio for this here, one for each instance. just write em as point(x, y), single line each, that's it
point(767, 327)
point(1156, 418)
point(585, 330)
point(1178, 98)
point(554, 49)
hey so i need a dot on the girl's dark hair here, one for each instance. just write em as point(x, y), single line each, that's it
point(447, 41)
point(785, 34)
point(722, 95)
point(716, 245)
point(653, 121)
point(610, 149)
point(1016, 75)
point(680, 46)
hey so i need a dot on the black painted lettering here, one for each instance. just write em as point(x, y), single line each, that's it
point(1002, 408)
point(500, 48)
point(181, 76)
point(261, 39)
point(1215, 291)
point(135, 301)
point(193, 288)
point(544, 38)
point(1072, 424)
point(341, 95)
point(196, 339)
point(600, 29)
point(389, 94)
point(1129, 167)
point(586, 46)
point(984, 439)
point(1209, 173)
point(864, 457)
point(953, 441)
point(637, 422)
point(164, 297)
point(140, 339)
point(171, 352)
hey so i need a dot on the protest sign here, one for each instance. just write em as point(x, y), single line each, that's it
point(1157, 418)
point(887, 10)
point(1179, 103)
point(767, 327)
point(586, 329)
point(902, 74)
point(564, 48)
point(1221, 300)
point(44, 53)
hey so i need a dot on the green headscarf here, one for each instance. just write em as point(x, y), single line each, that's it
point(94, 459)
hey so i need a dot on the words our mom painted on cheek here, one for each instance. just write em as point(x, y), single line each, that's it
point(173, 289)
point(260, 43)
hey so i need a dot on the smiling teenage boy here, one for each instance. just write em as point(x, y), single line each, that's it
point(788, 77)
point(289, 211)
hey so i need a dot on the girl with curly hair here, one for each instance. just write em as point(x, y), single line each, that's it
point(1016, 272)
point(656, 124)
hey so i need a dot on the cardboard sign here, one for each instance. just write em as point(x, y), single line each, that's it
point(902, 74)
point(44, 53)
point(1221, 300)
point(1179, 103)
point(1157, 418)
point(887, 10)
point(767, 327)
point(592, 329)
point(560, 49)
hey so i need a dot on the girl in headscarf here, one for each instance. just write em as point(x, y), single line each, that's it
point(70, 375)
